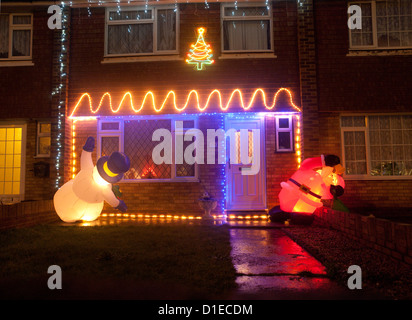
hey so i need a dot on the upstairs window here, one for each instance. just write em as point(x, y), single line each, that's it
point(246, 28)
point(141, 31)
point(16, 31)
point(385, 25)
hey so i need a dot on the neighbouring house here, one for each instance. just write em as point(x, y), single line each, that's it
point(289, 78)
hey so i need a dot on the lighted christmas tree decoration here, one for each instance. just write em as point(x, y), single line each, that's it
point(200, 54)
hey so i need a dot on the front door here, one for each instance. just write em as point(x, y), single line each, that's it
point(245, 190)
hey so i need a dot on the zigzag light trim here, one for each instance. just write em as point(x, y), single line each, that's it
point(172, 95)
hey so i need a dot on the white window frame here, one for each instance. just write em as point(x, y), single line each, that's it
point(13, 27)
point(18, 198)
point(101, 133)
point(366, 176)
point(120, 133)
point(39, 135)
point(374, 46)
point(153, 20)
point(223, 18)
point(289, 129)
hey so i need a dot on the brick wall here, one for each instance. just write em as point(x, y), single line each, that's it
point(89, 74)
point(20, 95)
point(36, 188)
point(308, 78)
point(356, 83)
point(391, 238)
point(26, 214)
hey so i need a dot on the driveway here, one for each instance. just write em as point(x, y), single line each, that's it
point(270, 265)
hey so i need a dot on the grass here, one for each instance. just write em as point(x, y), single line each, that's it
point(136, 262)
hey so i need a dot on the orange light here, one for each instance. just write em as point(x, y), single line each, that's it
point(172, 95)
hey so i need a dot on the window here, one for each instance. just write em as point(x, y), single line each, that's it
point(385, 25)
point(377, 146)
point(141, 31)
point(43, 139)
point(121, 136)
point(15, 36)
point(284, 134)
point(246, 28)
point(11, 163)
point(109, 137)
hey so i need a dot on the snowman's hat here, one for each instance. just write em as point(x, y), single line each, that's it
point(113, 167)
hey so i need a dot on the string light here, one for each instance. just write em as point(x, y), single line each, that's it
point(172, 95)
point(298, 139)
point(58, 92)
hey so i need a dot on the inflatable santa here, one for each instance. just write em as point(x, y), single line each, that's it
point(317, 179)
point(82, 198)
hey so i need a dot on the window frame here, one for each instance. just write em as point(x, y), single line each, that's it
point(223, 18)
point(366, 129)
point(374, 46)
point(13, 27)
point(101, 133)
point(21, 196)
point(289, 129)
point(120, 133)
point(38, 136)
point(153, 20)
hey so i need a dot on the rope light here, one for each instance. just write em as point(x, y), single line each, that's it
point(172, 95)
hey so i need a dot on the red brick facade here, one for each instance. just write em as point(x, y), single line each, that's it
point(311, 58)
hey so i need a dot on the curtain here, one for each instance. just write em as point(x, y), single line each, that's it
point(246, 35)
point(355, 152)
point(4, 36)
point(394, 23)
point(21, 43)
point(130, 38)
point(166, 30)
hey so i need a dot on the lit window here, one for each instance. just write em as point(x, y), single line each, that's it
point(15, 36)
point(141, 31)
point(43, 139)
point(11, 163)
point(284, 134)
point(377, 146)
point(246, 28)
point(385, 25)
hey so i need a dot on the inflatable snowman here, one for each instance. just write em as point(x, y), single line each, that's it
point(82, 198)
point(317, 179)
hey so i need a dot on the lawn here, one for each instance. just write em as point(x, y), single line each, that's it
point(117, 262)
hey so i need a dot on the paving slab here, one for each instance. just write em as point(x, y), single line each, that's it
point(270, 265)
point(261, 251)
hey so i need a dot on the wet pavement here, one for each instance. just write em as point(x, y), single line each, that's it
point(271, 266)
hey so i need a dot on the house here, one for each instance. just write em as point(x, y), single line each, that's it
point(289, 78)
point(26, 77)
